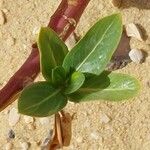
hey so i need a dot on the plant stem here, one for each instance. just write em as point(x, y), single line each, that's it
point(63, 21)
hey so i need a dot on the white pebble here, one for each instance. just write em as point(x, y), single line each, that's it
point(117, 3)
point(2, 17)
point(28, 119)
point(8, 146)
point(95, 135)
point(133, 31)
point(44, 121)
point(35, 30)
point(79, 139)
point(13, 117)
point(24, 46)
point(104, 118)
point(24, 146)
point(136, 55)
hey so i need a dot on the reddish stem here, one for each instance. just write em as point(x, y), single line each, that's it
point(63, 22)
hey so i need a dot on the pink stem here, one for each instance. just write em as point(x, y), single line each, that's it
point(63, 21)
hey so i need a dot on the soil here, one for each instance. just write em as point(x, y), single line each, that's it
point(97, 125)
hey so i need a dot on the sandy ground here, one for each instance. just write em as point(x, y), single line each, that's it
point(129, 124)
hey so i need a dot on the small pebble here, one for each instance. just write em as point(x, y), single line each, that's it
point(24, 146)
point(117, 3)
point(35, 30)
point(79, 139)
point(8, 146)
point(13, 117)
point(133, 31)
point(5, 10)
point(28, 119)
point(136, 55)
point(95, 135)
point(11, 134)
point(104, 118)
point(44, 121)
point(2, 18)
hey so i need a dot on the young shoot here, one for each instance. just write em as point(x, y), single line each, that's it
point(78, 75)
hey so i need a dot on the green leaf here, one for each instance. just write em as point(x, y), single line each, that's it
point(52, 51)
point(95, 49)
point(76, 81)
point(41, 100)
point(58, 76)
point(111, 87)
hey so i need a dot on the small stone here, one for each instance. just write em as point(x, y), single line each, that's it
point(136, 55)
point(24, 46)
point(44, 121)
point(35, 30)
point(24, 146)
point(8, 146)
point(133, 31)
point(104, 118)
point(95, 135)
point(79, 139)
point(2, 18)
point(5, 10)
point(117, 3)
point(28, 119)
point(13, 117)
point(11, 134)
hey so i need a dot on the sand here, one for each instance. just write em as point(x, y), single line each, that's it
point(128, 124)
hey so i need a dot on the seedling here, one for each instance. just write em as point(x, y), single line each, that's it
point(78, 75)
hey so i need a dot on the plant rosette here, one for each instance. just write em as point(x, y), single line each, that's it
point(78, 75)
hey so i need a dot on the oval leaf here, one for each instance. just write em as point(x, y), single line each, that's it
point(112, 87)
point(76, 81)
point(58, 76)
point(41, 100)
point(95, 49)
point(52, 51)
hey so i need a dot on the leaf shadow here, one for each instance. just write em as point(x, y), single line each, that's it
point(120, 58)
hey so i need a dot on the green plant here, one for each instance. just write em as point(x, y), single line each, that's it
point(78, 75)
